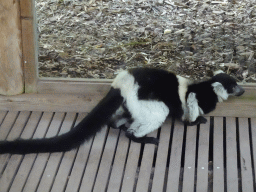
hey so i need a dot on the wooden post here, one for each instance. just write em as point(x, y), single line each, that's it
point(11, 74)
point(29, 44)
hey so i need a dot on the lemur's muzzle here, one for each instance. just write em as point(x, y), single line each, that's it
point(238, 90)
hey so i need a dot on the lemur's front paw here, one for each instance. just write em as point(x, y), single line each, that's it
point(199, 120)
point(151, 140)
point(202, 120)
point(144, 139)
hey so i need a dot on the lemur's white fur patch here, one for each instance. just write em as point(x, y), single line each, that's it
point(193, 108)
point(118, 117)
point(217, 72)
point(125, 82)
point(120, 122)
point(220, 91)
point(182, 89)
point(147, 115)
point(119, 111)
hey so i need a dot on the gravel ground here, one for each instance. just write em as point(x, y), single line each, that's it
point(96, 39)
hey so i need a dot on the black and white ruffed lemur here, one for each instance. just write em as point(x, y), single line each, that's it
point(138, 102)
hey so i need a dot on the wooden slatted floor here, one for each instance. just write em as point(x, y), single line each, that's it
point(217, 156)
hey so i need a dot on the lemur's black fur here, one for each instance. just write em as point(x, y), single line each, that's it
point(138, 102)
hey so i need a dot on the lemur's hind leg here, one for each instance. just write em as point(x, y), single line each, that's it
point(151, 116)
point(120, 118)
point(143, 117)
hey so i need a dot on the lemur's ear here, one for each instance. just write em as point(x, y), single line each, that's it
point(220, 91)
point(217, 72)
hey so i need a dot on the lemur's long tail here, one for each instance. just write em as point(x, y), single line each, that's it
point(90, 125)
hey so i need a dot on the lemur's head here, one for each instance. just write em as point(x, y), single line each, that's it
point(225, 85)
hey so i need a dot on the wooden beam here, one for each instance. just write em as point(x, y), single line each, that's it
point(11, 74)
point(74, 86)
point(69, 99)
point(49, 102)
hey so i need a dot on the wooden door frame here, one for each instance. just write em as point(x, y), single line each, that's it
point(29, 45)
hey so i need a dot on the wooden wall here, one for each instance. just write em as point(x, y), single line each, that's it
point(11, 73)
point(17, 47)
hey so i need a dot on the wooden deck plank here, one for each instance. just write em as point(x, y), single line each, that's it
point(106, 161)
point(13, 162)
point(92, 164)
point(67, 162)
point(39, 123)
point(231, 157)
point(8, 124)
point(69, 171)
point(146, 166)
point(119, 164)
point(190, 159)
point(55, 158)
point(4, 131)
point(14, 133)
point(42, 158)
point(19, 125)
point(203, 156)
point(161, 160)
point(245, 155)
point(31, 126)
point(131, 167)
point(218, 164)
point(62, 176)
point(175, 159)
point(253, 136)
point(2, 116)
